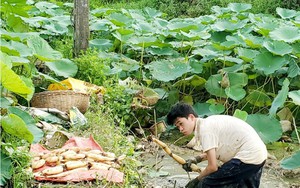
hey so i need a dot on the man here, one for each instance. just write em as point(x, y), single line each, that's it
point(225, 138)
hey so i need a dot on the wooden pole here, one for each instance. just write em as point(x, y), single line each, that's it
point(81, 26)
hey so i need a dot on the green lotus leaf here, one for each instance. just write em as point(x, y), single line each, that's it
point(19, 60)
point(253, 41)
point(240, 114)
point(295, 95)
point(165, 51)
point(42, 50)
point(264, 28)
point(291, 162)
point(247, 54)
point(205, 52)
point(278, 47)
point(280, 98)
point(202, 109)
point(217, 108)
point(238, 79)
point(237, 39)
point(5, 59)
point(188, 99)
point(235, 92)
point(56, 28)
point(269, 63)
point(267, 127)
point(14, 125)
point(286, 33)
point(286, 13)
point(36, 21)
point(181, 25)
point(296, 49)
point(16, 36)
point(196, 66)
point(43, 6)
point(227, 45)
point(152, 13)
point(228, 25)
point(100, 25)
point(29, 84)
point(213, 87)
point(101, 44)
point(12, 82)
point(239, 7)
point(236, 68)
point(121, 37)
point(143, 27)
point(6, 47)
point(126, 64)
point(120, 19)
point(259, 99)
point(30, 123)
point(63, 67)
point(6, 169)
point(230, 59)
point(193, 81)
point(143, 41)
point(206, 19)
point(167, 70)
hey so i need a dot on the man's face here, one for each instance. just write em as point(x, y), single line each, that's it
point(185, 125)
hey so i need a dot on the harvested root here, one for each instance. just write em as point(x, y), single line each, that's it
point(53, 170)
point(38, 163)
point(70, 165)
point(99, 166)
point(177, 158)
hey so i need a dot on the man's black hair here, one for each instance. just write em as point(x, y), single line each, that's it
point(180, 110)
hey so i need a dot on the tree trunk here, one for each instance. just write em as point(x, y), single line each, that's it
point(81, 26)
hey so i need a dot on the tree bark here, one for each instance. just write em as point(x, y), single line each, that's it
point(81, 26)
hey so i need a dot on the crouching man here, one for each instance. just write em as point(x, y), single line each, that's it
point(225, 138)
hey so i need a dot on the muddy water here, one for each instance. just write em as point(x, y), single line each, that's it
point(167, 173)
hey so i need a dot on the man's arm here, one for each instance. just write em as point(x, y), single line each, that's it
point(212, 165)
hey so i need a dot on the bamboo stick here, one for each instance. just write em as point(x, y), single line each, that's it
point(177, 158)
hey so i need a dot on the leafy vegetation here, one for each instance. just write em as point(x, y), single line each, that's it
point(235, 59)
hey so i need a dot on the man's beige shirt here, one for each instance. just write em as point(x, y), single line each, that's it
point(231, 137)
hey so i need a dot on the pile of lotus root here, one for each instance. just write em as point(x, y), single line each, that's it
point(62, 162)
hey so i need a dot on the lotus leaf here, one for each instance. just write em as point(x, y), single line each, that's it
point(291, 162)
point(101, 44)
point(295, 95)
point(278, 47)
point(280, 98)
point(14, 125)
point(267, 127)
point(42, 50)
point(63, 67)
point(167, 70)
point(259, 99)
point(286, 13)
point(239, 7)
point(269, 63)
point(213, 87)
point(286, 33)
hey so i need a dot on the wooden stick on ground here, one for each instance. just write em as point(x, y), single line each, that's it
point(177, 158)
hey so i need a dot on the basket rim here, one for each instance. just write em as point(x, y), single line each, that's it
point(61, 92)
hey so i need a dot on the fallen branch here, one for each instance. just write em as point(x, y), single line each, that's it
point(177, 158)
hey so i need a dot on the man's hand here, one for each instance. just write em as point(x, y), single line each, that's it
point(187, 165)
point(193, 183)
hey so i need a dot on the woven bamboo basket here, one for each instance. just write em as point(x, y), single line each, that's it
point(62, 100)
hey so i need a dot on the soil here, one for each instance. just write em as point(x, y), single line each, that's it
point(165, 172)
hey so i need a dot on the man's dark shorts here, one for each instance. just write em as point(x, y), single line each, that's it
point(234, 174)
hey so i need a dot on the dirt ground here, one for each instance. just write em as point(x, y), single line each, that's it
point(164, 172)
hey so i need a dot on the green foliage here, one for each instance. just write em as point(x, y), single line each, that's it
point(291, 162)
point(17, 152)
point(91, 68)
point(112, 137)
